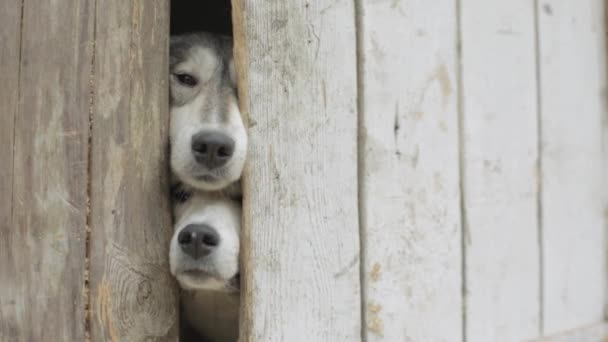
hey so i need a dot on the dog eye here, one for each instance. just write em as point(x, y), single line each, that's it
point(187, 80)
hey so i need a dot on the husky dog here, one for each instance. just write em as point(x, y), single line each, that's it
point(207, 135)
point(204, 250)
point(203, 257)
point(208, 150)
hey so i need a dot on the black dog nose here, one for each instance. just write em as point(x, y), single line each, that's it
point(212, 149)
point(198, 240)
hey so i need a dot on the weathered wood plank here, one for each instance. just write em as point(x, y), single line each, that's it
point(10, 44)
point(409, 175)
point(500, 156)
point(589, 333)
point(43, 242)
point(133, 297)
point(297, 68)
point(573, 84)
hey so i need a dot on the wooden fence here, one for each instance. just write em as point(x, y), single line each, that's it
point(418, 170)
point(84, 215)
point(423, 171)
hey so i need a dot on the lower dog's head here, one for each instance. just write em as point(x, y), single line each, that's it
point(208, 137)
point(204, 251)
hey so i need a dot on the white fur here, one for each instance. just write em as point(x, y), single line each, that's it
point(197, 109)
point(211, 303)
point(214, 271)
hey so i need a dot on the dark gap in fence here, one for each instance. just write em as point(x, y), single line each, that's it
point(605, 154)
point(361, 165)
point(211, 16)
point(539, 171)
point(464, 228)
point(87, 261)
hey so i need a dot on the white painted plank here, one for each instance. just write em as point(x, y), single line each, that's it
point(573, 83)
point(590, 333)
point(297, 68)
point(500, 144)
point(409, 175)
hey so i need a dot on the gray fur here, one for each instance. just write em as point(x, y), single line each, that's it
point(210, 105)
point(218, 270)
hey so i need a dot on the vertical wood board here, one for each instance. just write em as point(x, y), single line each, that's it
point(297, 72)
point(133, 296)
point(11, 309)
point(500, 167)
point(409, 174)
point(43, 246)
point(573, 84)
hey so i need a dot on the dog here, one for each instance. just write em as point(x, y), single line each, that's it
point(204, 258)
point(208, 144)
point(208, 139)
point(204, 249)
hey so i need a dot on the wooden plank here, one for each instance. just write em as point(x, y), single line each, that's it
point(573, 82)
point(297, 67)
point(500, 156)
point(590, 333)
point(409, 171)
point(43, 243)
point(133, 297)
point(10, 46)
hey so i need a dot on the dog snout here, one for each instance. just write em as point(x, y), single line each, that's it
point(198, 240)
point(212, 149)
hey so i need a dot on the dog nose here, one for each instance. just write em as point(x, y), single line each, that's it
point(198, 240)
point(212, 149)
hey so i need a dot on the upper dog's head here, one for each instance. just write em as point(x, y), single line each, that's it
point(204, 250)
point(208, 137)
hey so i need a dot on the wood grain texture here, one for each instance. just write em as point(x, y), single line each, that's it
point(47, 96)
point(10, 45)
point(297, 66)
point(500, 159)
point(409, 175)
point(133, 297)
point(573, 85)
